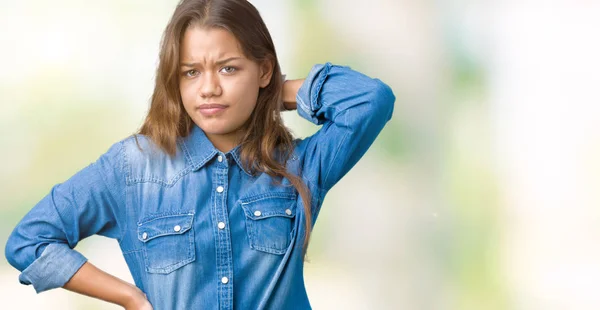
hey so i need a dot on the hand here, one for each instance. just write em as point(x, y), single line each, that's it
point(138, 301)
point(290, 90)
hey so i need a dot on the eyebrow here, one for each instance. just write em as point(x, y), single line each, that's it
point(218, 63)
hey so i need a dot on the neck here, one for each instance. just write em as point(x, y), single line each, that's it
point(226, 142)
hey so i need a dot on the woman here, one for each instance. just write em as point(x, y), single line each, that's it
point(212, 203)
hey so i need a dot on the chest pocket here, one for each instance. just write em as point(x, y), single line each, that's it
point(270, 221)
point(168, 242)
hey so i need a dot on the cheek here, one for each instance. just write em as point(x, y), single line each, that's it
point(247, 101)
point(187, 95)
point(244, 92)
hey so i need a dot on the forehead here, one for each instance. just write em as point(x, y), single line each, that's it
point(208, 44)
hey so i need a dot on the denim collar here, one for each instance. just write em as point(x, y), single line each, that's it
point(199, 150)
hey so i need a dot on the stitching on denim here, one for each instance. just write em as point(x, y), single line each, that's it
point(185, 151)
point(266, 215)
point(190, 257)
point(257, 197)
point(188, 225)
point(169, 268)
point(156, 216)
point(162, 233)
point(337, 152)
point(238, 161)
point(124, 189)
point(153, 179)
point(252, 239)
point(314, 96)
point(116, 200)
point(126, 166)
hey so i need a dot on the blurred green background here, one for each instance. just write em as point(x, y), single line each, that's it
point(480, 193)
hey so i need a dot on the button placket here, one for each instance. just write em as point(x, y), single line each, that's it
point(224, 256)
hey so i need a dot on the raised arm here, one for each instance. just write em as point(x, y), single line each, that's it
point(352, 109)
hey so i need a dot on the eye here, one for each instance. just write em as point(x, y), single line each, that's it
point(228, 70)
point(190, 73)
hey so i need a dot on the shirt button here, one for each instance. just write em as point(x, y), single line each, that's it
point(177, 228)
point(288, 212)
point(224, 280)
point(220, 158)
point(257, 213)
point(144, 236)
point(221, 225)
point(220, 189)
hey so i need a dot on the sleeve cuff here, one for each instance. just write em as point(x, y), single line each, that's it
point(306, 99)
point(54, 268)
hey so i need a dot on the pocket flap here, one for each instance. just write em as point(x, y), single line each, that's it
point(164, 225)
point(274, 204)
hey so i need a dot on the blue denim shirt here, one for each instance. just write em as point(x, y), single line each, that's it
point(198, 231)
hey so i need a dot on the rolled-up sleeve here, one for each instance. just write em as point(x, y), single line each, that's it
point(42, 244)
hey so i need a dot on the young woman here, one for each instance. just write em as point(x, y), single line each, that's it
point(212, 203)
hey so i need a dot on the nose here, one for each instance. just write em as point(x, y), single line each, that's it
point(210, 85)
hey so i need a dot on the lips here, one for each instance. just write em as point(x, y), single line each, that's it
point(212, 106)
point(211, 109)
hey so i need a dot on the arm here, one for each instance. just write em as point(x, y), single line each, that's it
point(93, 282)
point(352, 109)
point(42, 244)
point(290, 91)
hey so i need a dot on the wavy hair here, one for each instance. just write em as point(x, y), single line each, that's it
point(266, 144)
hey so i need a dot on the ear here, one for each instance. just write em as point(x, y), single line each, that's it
point(265, 73)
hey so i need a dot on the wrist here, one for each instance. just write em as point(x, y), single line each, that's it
point(290, 90)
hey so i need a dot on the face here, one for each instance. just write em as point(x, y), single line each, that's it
point(218, 84)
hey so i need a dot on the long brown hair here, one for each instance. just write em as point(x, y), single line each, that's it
point(267, 144)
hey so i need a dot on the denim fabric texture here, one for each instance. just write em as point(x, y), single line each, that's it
point(197, 230)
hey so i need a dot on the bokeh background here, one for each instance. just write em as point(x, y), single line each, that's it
point(482, 192)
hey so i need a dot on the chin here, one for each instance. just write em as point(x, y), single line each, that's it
point(216, 130)
point(218, 127)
